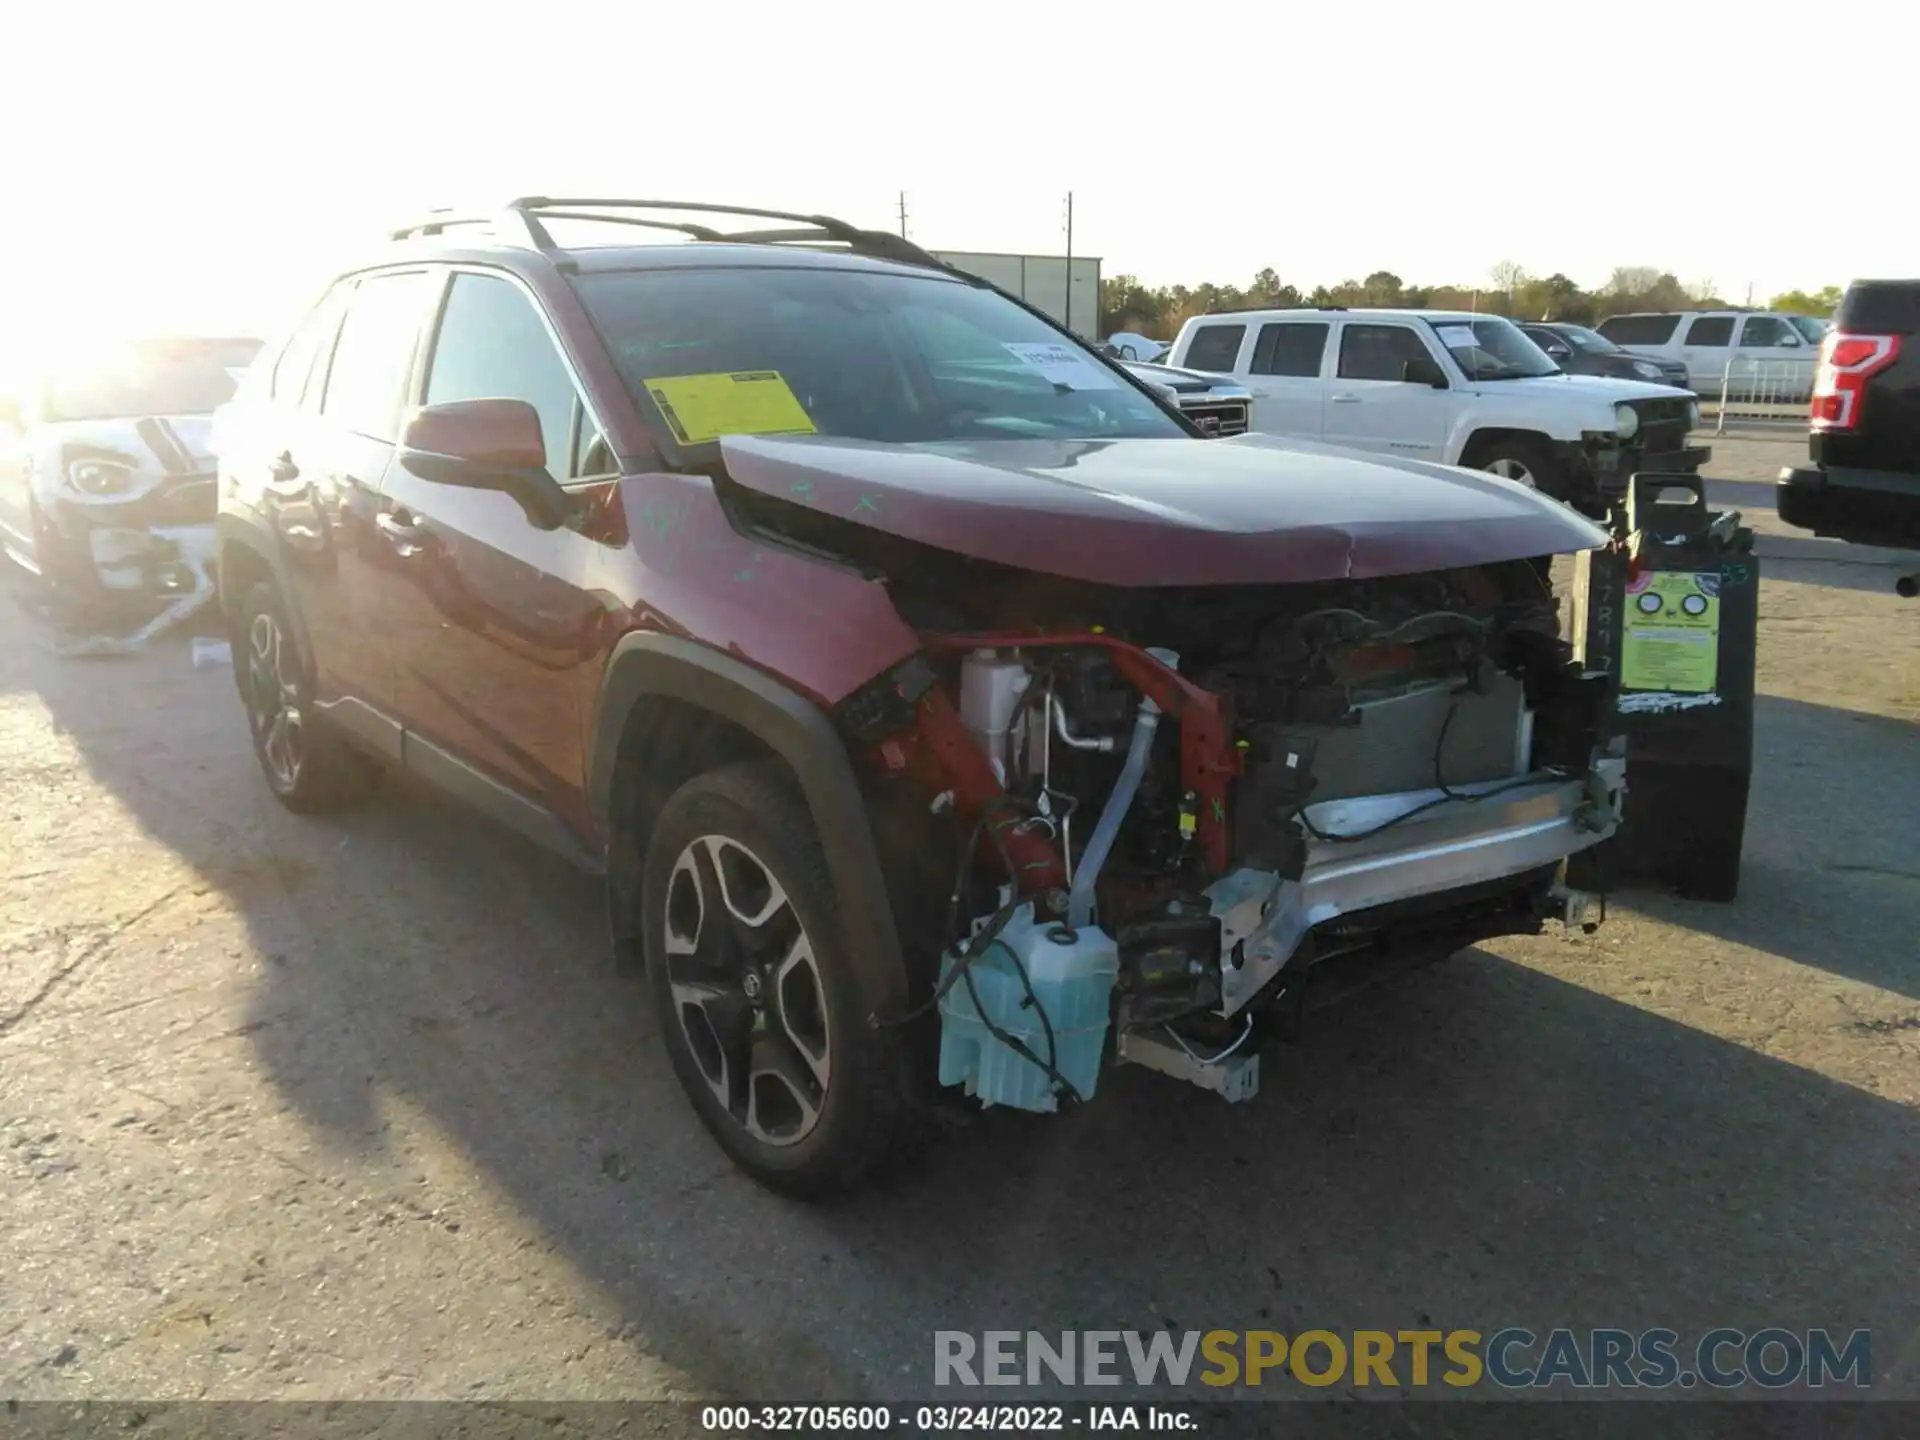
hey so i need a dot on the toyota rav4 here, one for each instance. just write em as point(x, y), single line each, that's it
point(949, 718)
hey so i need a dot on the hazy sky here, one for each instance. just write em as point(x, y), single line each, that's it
point(203, 165)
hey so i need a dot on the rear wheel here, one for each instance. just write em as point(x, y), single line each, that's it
point(308, 768)
point(758, 1001)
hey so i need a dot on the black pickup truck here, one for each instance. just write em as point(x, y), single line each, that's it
point(1863, 482)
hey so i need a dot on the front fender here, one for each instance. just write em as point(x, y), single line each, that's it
point(649, 665)
point(1564, 420)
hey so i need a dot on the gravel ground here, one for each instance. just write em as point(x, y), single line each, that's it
point(356, 1108)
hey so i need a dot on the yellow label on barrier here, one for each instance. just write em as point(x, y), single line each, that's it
point(1672, 633)
point(700, 408)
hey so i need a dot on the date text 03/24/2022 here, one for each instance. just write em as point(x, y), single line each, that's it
point(942, 1419)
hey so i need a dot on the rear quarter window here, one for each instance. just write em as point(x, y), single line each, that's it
point(1214, 347)
point(1640, 329)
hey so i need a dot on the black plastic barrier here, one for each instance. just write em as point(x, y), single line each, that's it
point(1670, 609)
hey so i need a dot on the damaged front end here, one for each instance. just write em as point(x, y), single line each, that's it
point(1167, 805)
point(1133, 789)
point(122, 529)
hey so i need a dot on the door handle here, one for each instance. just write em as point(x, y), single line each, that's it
point(281, 470)
point(1344, 399)
point(404, 533)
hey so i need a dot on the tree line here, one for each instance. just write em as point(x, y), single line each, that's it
point(1126, 304)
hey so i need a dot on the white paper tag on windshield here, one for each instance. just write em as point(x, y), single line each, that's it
point(1063, 365)
point(1457, 337)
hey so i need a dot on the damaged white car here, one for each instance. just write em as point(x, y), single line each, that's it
point(107, 488)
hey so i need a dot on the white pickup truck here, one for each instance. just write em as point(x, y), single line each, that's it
point(1452, 387)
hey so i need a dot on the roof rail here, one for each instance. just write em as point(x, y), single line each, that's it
point(1249, 310)
point(527, 214)
point(437, 221)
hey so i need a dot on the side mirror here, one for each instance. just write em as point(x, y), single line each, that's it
point(1423, 370)
point(1558, 352)
point(1789, 342)
point(486, 445)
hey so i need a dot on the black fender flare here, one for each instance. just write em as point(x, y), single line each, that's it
point(648, 664)
point(1485, 437)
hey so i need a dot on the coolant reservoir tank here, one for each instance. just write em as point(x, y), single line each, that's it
point(1072, 974)
point(991, 684)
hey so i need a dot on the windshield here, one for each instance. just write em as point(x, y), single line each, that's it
point(1590, 342)
point(862, 355)
point(1813, 330)
point(156, 377)
point(1493, 349)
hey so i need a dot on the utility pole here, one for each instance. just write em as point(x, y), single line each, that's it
point(1067, 320)
point(903, 214)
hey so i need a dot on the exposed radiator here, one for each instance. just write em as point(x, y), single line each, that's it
point(1391, 750)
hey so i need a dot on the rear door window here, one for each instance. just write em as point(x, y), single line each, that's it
point(1713, 330)
point(1215, 347)
point(1640, 329)
point(493, 344)
point(1290, 348)
point(373, 359)
point(1379, 352)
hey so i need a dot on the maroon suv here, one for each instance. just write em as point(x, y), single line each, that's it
point(949, 717)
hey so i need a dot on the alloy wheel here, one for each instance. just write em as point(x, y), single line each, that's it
point(1513, 470)
point(747, 991)
point(273, 701)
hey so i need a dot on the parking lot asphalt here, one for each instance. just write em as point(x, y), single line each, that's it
point(356, 1107)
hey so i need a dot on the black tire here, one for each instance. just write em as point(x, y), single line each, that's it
point(752, 816)
point(310, 769)
point(1526, 460)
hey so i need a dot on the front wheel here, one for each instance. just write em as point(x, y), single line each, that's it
point(1524, 461)
point(757, 998)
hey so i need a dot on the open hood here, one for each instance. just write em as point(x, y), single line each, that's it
point(1252, 509)
point(1181, 382)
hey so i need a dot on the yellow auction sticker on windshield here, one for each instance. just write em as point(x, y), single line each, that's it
point(748, 402)
point(1672, 639)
